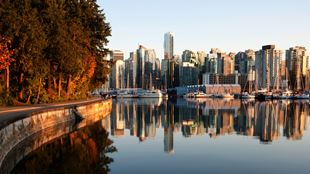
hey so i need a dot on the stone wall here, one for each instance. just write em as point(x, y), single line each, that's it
point(15, 133)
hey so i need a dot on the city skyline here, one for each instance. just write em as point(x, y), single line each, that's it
point(230, 26)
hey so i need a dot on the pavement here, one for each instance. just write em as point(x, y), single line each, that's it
point(13, 113)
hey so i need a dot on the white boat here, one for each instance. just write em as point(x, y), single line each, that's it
point(127, 94)
point(246, 95)
point(227, 95)
point(151, 94)
point(201, 95)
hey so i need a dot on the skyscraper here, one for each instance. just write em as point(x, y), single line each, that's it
point(268, 63)
point(168, 46)
point(117, 55)
point(117, 79)
point(297, 61)
point(141, 67)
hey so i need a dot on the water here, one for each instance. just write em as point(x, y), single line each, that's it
point(183, 136)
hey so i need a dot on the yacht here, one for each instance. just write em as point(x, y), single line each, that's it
point(127, 94)
point(302, 96)
point(227, 95)
point(246, 95)
point(151, 94)
point(200, 94)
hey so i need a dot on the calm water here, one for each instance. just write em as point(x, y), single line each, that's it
point(206, 136)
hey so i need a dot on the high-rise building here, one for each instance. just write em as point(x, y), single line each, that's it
point(117, 79)
point(150, 58)
point(228, 64)
point(189, 74)
point(245, 61)
point(168, 45)
point(141, 67)
point(297, 61)
point(268, 63)
point(117, 55)
point(133, 70)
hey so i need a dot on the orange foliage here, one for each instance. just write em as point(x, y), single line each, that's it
point(5, 54)
point(90, 63)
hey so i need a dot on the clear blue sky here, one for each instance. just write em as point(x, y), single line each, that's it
point(231, 25)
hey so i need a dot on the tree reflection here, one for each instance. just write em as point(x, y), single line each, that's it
point(82, 151)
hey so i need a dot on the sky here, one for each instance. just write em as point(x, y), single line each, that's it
point(199, 25)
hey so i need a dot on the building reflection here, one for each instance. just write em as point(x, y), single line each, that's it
point(267, 121)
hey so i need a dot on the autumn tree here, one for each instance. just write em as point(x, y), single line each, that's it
point(5, 59)
point(58, 44)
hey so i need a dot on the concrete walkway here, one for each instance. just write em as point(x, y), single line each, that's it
point(11, 114)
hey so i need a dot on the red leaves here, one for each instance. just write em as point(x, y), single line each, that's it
point(5, 54)
point(90, 63)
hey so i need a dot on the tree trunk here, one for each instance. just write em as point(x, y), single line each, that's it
point(29, 96)
point(39, 91)
point(7, 83)
point(49, 84)
point(68, 87)
point(55, 83)
point(21, 88)
point(59, 85)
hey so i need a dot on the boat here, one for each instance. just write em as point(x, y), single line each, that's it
point(246, 95)
point(127, 94)
point(285, 95)
point(189, 95)
point(302, 96)
point(200, 94)
point(150, 94)
point(227, 95)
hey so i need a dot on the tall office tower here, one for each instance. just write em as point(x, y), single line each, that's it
point(245, 62)
point(268, 63)
point(165, 71)
point(150, 58)
point(157, 74)
point(211, 63)
point(117, 55)
point(127, 73)
point(168, 45)
point(133, 70)
point(297, 61)
point(228, 64)
point(141, 67)
point(201, 55)
point(117, 79)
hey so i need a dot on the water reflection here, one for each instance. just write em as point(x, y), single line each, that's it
point(83, 151)
point(268, 121)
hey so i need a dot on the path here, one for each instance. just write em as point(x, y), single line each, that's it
point(11, 114)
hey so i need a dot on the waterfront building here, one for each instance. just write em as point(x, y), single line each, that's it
point(149, 73)
point(165, 73)
point(117, 78)
point(133, 67)
point(168, 45)
point(228, 64)
point(297, 64)
point(189, 56)
point(245, 61)
point(201, 56)
point(189, 74)
point(117, 55)
point(268, 63)
point(141, 67)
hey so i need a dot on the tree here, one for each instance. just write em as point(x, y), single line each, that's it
point(5, 59)
point(57, 44)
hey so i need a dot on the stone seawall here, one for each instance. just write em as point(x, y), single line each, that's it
point(17, 132)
